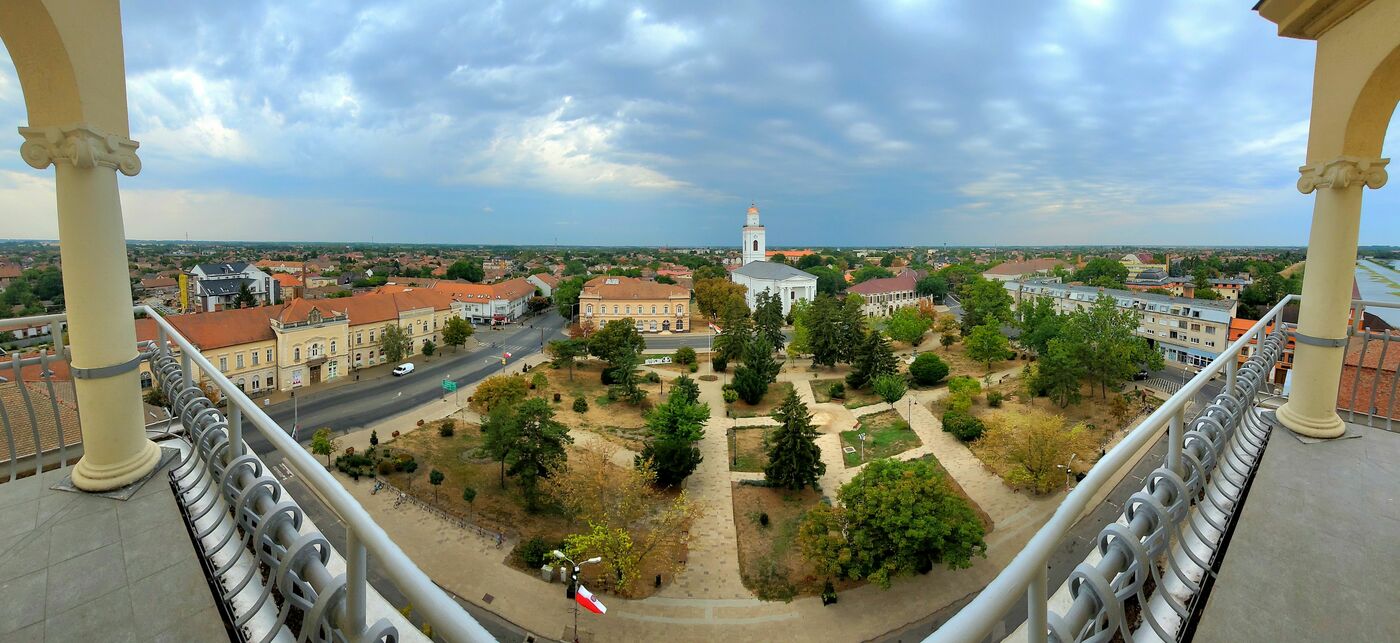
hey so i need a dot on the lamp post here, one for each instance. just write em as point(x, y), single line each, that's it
point(573, 581)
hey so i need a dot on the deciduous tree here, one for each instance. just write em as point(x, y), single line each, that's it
point(713, 297)
point(394, 342)
point(498, 391)
point(928, 369)
point(890, 387)
point(456, 331)
point(986, 344)
point(907, 325)
point(565, 352)
point(984, 302)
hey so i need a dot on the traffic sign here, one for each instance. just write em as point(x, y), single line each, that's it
point(449, 386)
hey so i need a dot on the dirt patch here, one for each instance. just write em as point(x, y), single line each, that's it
point(618, 421)
point(886, 434)
point(771, 400)
point(748, 451)
point(770, 560)
point(821, 392)
point(960, 364)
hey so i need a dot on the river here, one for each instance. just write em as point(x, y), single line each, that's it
point(1380, 285)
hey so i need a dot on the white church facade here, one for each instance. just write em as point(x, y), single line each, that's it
point(757, 274)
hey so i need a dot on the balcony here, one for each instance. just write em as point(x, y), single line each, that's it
point(1248, 532)
point(209, 546)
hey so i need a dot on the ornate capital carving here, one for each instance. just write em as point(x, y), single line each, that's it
point(1343, 172)
point(80, 145)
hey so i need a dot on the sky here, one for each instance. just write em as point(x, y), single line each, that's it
point(849, 124)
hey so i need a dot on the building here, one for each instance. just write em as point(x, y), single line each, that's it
point(1138, 262)
point(884, 296)
point(656, 308)
point(1156, 278)
point(1230, 288)
point(292, 286)
point(757, 274)
point(9, 272)
point(545, 282)
point(291, 267)
point(498, 303)
point(160, 285)
point(1022, 270)
point(1186, 331)
point(215, 286)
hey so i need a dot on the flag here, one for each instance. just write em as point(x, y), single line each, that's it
point(505, 354)
point(585, 598)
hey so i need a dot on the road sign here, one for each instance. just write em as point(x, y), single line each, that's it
point(652, 361)
point(449, 386)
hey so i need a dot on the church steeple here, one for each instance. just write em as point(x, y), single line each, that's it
point(755, 245)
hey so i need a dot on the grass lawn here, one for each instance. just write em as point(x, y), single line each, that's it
point(748, 452)
point(887, 434)
point(777, 392)
point(496, 508)
point(770, 560)
point(617, 421)
point(821, 391)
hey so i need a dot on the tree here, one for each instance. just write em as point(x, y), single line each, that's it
point(868, 272)
point(935, 286)
point(824, 322)
point(617, 343)
point(1058, 373)
point(565, 352)
point(373, 438)
point(1201, 283)
point(429, 348)
point(778, 258)
point(528, 442)
point(469, 270)
point(435, 478)
point(894, 518)
point(891, 388)
point(768, 318)
point(947, 327)
point(1037, 444)
point(875, 359)
point(685, 356)
point(245, 298)
point(714, 296)
point(750, 384)
point(456, 331)
point(499, 391)
point(807, 261)
point(1103, 273)
point(852, 326)
point(1039, 322)
point(686, 387)
point(928, 369)
point(624, 376)
point(738, 333)
point(323, 442)
point(758, 355)
point(794, 459)
point(986, 344)
point(1105, 342)
point(681, 417)
point(566, 294)
point(394, 342)
point(829, 281)
point(984, 302)
point(574, 267)
point(469, 494)
point(907, 325)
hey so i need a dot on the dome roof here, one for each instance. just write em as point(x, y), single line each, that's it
point(753, 209)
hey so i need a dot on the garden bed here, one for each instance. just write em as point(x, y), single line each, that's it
point(619, 421)
point(821, 392)
point(748, 451)
point(887, 434)
point(770, 561)
point(777, 392)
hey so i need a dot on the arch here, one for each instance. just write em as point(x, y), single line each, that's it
point(1374, 108)
point(755, 244)
point(68, 57)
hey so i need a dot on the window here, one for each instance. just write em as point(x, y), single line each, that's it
point(755, 245)
point(614, 309)
point(1196, 327)
point(296, 354)
point(242, 385)
point(371, 337)
point(332, 346)
point(680, 309)
point(629, 309)
point(590, 309)
point(269, 356)
point(223, 363)
point(145, 380)
point(257, 385)
point(371, 356)
point(359, 338)
point(665, 309)
point(255, 358)
point(238, 360)
point(792, 295)
point(653, 309)
point(1210, 342)
point(269, 381)
point(1210, 330)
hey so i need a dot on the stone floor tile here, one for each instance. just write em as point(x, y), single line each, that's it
point(22, 490)
point(169, 596)
point(30, 634)
point(80, 535)
point(139, 514)
point(155, 549)
point(20, 517)
point(81, 579)
point(107, 618)
point(206, 625)
point(28, 554)
point(22, 601)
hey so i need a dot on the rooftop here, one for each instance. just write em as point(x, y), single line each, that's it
point(771, 270)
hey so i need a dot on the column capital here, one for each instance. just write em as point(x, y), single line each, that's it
point(1343, 172)
point(80, 145)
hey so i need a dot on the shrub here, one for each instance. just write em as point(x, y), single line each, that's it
point(685, 355)
point(730, 396)
point(928, 369)
point(694, 367)
point(837, 391)
point(385, 467)
point(750, 385)
point(580, 405)
point(535, 552)
point(447, 429)
point(720, 363)
point(994, 398)
point(539, 381)
point(763, 518)
point(469, 494)
point(963, 425)
point(420, 423)
point(653, 377)
point(395, 434)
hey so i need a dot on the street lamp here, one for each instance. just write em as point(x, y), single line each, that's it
point(573, 582)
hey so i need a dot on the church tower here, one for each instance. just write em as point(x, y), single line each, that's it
point(755, 245)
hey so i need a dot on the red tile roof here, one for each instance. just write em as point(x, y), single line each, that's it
point(610, 288)
point(220, 328)
point(1024, 267)
point(902, 282)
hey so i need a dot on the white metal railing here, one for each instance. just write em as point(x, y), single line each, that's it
point(1026, 574)
point(364, 537)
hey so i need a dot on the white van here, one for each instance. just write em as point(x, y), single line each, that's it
point(403, 369)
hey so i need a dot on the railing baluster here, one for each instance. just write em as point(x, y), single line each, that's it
point(53, 403)
point(235, 432)
point(1038, 606)
point(357, 571)
point(1360, 364)
point(29, 408)
point(1174, 439)
point(9, 439)
point(1376, 379)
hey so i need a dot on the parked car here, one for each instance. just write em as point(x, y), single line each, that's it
point(403, 369)
point(1139, 376)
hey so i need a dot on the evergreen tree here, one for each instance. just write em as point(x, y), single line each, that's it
point(874, 359)
point(826, 332)
point(852, 327)
point(758, 355)
point(794, 459)
point(768, 318)
point(738, 333)
point(750, 384)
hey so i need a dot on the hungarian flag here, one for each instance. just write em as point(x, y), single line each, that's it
point(505, 354)
point(585, 598)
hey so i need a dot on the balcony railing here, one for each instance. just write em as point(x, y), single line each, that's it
point(244, 523)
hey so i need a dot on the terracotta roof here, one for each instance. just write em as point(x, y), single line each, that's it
point(902, 282)
point(466, 291)
point(368, 308)
point(9, 270)
point(159, 282)
point(219, 328)
point(1024, 267)
point(287, 280)
point(548, 279)
point(610, 288)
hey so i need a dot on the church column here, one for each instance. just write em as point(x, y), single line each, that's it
point(1311, 409)
point(102, 333)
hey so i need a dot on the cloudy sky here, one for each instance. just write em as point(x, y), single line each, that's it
point(850, 123)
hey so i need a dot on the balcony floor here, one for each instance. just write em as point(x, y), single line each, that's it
point(75, 567)
point(1316, 552)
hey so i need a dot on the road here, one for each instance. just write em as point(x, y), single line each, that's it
point(698, 342)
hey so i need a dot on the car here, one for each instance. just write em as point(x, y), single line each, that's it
point(403, 369)
point(1139, 376)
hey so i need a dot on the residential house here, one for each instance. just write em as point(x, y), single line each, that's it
point(215, 286)
point(293, 286)
point(545, 282)
point(654, 307)
point(1022, 270)
point(497, 303)
point(9, 272)
point(885, 295)
point(290, 267)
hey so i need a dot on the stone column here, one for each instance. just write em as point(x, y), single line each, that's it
point(1311, 409)
point(102, 334)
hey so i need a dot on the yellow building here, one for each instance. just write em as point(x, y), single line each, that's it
point(656, 308)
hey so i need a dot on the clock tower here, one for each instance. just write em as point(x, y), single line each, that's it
point(755, 245)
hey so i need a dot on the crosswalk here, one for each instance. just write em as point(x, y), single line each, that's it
point(1163, 384)
point(516, 350)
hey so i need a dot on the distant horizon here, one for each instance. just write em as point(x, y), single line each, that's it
point(735, 247)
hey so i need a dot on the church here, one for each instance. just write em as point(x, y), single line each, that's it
point(758, 274)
